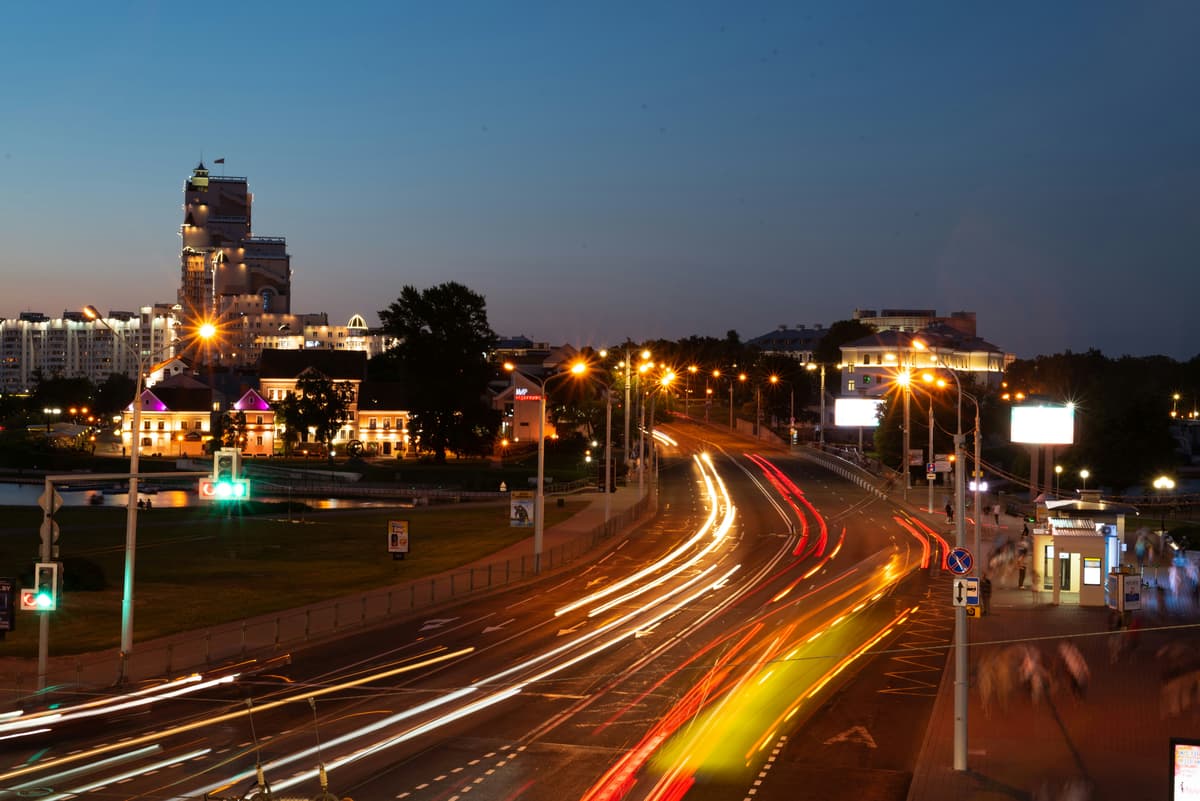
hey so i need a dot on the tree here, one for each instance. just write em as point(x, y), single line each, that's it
point(443, 360)
point(231, 429)
point(829, 350)
point(318, 405)
point(324, 406)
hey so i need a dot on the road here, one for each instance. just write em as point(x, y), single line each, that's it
point(698, 656)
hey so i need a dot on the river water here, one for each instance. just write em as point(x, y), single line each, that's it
point(27, 495)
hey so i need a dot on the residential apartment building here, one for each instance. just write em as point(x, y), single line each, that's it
point(72, 346)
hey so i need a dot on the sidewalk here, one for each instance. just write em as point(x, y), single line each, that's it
point(1110, 742)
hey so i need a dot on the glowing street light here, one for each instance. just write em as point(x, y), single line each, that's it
point(1164, 484)
point(1058, 468)
point(1085, 474)
point(539, 503)
point(205, 331)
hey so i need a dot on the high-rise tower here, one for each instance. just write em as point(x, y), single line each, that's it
point(227, 272)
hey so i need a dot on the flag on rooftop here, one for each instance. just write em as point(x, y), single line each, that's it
point(218, 161)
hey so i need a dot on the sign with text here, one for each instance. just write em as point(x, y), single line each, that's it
point(521, 508)
point(397, 537)
point(1185, 769)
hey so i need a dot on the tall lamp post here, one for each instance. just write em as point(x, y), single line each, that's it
point(775, 381)
point(206, 331)
point(961, 675)
point(1164, 484)
point(539, 497)
point(1084, 474)
point(1057, 478)
point(821, 423)
point(904, 380)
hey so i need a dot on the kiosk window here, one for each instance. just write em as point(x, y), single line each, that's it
point(1091, 571)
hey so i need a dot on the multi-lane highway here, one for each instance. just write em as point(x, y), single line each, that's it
point(686, 660)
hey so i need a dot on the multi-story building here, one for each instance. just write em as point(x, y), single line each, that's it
point(377, 419)
point(869, 365)
point(913, 320)
point(800, 342)
point(72, 346)
point(227, 273)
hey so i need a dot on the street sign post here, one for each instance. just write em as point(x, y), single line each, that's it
point(960, 561)
point(966, 591)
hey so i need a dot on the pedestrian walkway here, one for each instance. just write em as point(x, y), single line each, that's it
point(1036, 729)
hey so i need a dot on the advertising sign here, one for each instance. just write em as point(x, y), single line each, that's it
point(397, 538)
point(520, 508)
point(1044, 425)
point(1185, 769)
point(856, 412)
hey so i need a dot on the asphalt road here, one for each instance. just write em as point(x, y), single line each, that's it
point(716, 664)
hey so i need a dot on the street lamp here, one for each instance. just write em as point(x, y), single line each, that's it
point(1057, 478)
point(205, 331)
point(775, 381)
point(539, 502)
point(1084, 474)
point(904, 380)
point(687, 390)
point(961, 675)
point(1164, 484)
point(821, 424)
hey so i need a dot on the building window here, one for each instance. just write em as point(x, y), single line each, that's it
point(183, 425)
point(258, 421)
point(162, 426)
point(849, 388)
point(260, 444)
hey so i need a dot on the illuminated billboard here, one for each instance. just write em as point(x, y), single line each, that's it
point(1044, 425)
point(856, 412)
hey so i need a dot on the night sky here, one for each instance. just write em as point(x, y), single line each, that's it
point(628, 170)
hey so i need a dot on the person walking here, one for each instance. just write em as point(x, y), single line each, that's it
point(949, 512)
point(996, 513)
point(985, 594)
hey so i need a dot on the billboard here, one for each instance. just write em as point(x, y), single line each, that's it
point(856, 412)
point(1044, 425)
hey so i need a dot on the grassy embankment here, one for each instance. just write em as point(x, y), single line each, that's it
point(198, 567)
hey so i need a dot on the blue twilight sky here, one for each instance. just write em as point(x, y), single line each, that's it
point(631, 169)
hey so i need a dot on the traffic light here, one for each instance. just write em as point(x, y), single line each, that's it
point(226, 483)
point(233, 489)
point(45, 586)
point(227, 464)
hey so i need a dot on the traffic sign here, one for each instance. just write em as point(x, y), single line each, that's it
point(49, 530)
point(966, 591)
point(960, 561)
point(50, 501)
point(931, 476)
point(29, 600)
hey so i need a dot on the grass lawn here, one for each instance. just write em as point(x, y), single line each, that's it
point(196, 569)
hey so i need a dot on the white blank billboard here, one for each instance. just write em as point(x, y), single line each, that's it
point(856, 412)
point(1043, 425)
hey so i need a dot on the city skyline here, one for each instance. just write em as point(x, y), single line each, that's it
point(648, 173)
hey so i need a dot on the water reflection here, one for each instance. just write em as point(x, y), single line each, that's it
point(163, 497)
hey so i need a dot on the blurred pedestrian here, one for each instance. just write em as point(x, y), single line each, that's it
point(996, 513)
point(985, 594)
point(949, 512)
point(1021, 572)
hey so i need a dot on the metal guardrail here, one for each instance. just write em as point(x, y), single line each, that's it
point(266, 635)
